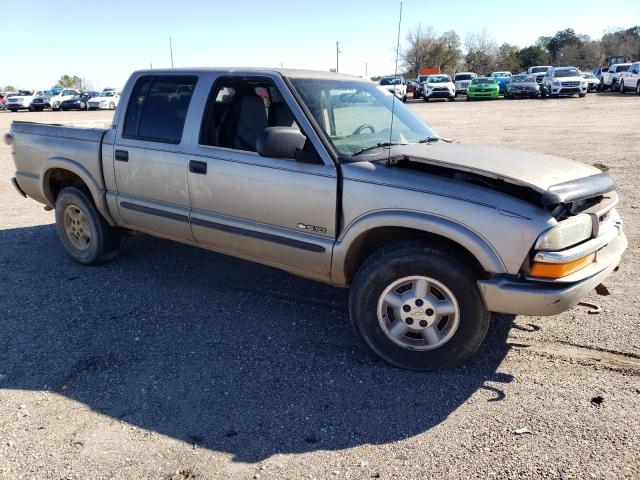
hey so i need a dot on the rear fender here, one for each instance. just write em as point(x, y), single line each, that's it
point(72, 166)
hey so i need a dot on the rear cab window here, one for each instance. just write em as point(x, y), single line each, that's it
point(157, 108)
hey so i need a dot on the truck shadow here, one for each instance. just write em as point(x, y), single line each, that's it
point(214, 351)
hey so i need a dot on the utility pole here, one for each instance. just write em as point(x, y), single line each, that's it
point(171, 51)
point(366, 69)
point(337, 56)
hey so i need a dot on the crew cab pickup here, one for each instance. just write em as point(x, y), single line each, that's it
point(306, 172)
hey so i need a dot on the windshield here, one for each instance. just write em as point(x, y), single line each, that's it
point(357, 115)
point(464, 76)
point(422, 78)
point(390, 81)
point(489, 81)
point(566, 72)
point(539, 69)
point(439, 79)
point(588, 75)
point(501, 74)
point(108, 94)
point(522, 79)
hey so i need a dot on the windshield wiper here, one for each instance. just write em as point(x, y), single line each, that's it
point(377, 145)
point(428, 140)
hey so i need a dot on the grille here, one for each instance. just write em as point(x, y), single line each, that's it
point(570, 84)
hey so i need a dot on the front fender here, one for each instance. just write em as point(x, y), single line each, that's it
point(97, 193)
point(477, 245)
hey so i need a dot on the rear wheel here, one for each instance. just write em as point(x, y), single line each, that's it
point(638, 88)
point(418, 307)
point(622, 87)
point(84, 233)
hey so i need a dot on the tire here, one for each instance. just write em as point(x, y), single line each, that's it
point(31, 109)
point(112, 106)
point(77, 218)
point(468, 98)
point(638, 88)
point(452, 99)
point(425, 99)
point(55, 106)
point(582, 95)
point(450, 280)
point(622, 88)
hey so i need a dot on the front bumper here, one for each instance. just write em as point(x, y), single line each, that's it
point(556, 90)
point(483, 94)
point(439, 94)
point(531, 297)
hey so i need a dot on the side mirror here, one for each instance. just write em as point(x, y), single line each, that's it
point(280, 142)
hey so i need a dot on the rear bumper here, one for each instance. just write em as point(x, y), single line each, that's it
point(530, 297)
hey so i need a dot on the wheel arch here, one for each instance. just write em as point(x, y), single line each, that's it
point(379, 229)
point(58, 172)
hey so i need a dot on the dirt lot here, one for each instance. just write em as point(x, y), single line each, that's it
point(172, 362)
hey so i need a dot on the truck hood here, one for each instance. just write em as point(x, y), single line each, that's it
point(556, 179)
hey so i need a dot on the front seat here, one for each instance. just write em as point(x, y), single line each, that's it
point(251, 122)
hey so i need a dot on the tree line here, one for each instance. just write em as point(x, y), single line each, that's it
point(482, 53)
point(65, 81)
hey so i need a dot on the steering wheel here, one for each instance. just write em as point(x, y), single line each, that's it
point(362, 127)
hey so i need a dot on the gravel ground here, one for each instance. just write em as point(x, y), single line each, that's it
point(176, 363)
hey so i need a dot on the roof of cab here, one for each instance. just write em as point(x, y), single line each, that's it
point(285, 72)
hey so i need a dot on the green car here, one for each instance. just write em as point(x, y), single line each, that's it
point(483, 87)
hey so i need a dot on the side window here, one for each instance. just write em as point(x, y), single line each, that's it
point(239, 110)
point(158, 108)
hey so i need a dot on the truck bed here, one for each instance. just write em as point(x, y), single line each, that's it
point(37, 144)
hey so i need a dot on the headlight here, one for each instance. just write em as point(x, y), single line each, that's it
point(557, 83)
point(567, 233)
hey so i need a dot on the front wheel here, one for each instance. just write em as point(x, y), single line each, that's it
point(582, 95)
point(84, 233)
point(418, 307)
point(55, 106)
point(638, 88)
point(622, 87)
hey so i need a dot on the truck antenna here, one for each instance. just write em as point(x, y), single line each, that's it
point(395, 76)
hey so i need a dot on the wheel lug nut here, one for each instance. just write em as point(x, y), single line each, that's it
point(406, 308)
point(409, 321)
point(430, 312)
point(419, 302)
point(423, 323)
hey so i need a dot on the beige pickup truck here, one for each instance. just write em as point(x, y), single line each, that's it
point(331, 178)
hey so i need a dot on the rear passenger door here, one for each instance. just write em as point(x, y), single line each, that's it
point(277, 211)
point(150, 156)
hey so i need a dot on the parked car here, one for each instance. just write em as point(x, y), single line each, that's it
point(431, 236)
point(79, 102)
point(65, 94)
point(439, 86)
point(43, 100)
point(462, 80)
point(396, 85)
point(592, 81)
point(563, 81)
point(420, 79)
point(610, 78)
point(522, 86)
point(538, 72)
point(630, 80)
point(418, 90)
point(107, 100)
point(3, 100)
point(502, 78)
point(483, 87)
point(20, 101)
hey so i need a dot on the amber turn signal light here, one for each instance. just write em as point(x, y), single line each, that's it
point(559, 270)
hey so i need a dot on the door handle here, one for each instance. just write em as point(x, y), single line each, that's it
point(122, 155)
point(198, 167)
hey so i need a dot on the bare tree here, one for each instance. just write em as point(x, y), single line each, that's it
point(482, 51)
point(419, 48)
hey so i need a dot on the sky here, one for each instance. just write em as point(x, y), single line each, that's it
point(105, 42)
